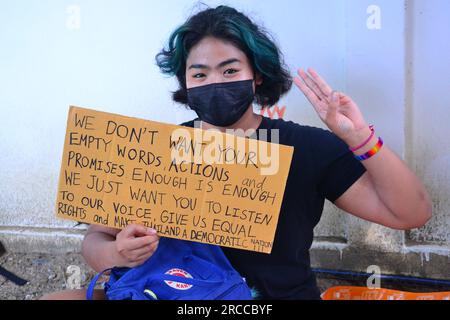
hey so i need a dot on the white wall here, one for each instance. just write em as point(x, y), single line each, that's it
point(108, 64)
point(429, 112)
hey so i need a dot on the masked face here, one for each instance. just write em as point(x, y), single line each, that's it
point(220, 82)
point(221, 104)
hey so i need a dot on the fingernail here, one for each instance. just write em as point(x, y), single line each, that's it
point(151, 231)
point(334, 96)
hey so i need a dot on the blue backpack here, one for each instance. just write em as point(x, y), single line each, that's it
point(178, 270)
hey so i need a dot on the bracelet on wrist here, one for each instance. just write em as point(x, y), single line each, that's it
point(371, 152)
point(366, 141)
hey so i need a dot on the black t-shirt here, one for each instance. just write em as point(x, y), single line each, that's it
point(322, 168)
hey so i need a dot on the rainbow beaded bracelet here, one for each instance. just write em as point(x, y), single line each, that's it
point(371, 152)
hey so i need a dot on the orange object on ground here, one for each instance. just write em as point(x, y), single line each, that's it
point(365, 293)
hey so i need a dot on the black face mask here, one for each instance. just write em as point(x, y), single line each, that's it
point(221, 104)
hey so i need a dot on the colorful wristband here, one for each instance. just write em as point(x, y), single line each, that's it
point(371, 152)
point(365, 142)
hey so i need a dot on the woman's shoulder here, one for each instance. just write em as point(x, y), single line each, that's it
point(320, 145)
point(296, 132)
point(289, 132)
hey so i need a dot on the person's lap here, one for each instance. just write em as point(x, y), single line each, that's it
point(75, 294)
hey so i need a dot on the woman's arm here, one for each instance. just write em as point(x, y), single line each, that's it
point(104, 248)
point(98, 247)
point(389, 193)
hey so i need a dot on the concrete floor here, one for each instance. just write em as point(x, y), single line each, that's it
point(45, 273)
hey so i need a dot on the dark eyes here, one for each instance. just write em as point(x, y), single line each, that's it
point(230, 71)
point(226, 72)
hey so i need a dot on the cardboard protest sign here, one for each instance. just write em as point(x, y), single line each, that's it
point(187, 183)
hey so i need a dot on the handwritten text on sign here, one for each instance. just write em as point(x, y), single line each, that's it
point(192, 184)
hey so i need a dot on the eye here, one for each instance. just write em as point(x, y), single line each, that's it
point(198, 75)
point(231, 71)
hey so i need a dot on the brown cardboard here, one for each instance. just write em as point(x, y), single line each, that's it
point(118, 170)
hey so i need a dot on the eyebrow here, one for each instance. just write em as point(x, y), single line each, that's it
point(220, 65)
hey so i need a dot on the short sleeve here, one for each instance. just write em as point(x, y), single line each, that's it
point(337, 167)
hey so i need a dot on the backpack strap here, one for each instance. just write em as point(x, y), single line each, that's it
point(90, 289)
point(12, 277)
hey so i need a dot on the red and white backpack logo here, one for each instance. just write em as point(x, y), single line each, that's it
point(179, 273)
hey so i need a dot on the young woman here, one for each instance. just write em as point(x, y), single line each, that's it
point(224, 63)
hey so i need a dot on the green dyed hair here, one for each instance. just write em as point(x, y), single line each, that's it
point(236, 28)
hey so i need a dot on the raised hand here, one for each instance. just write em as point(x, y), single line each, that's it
point(337, 110)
